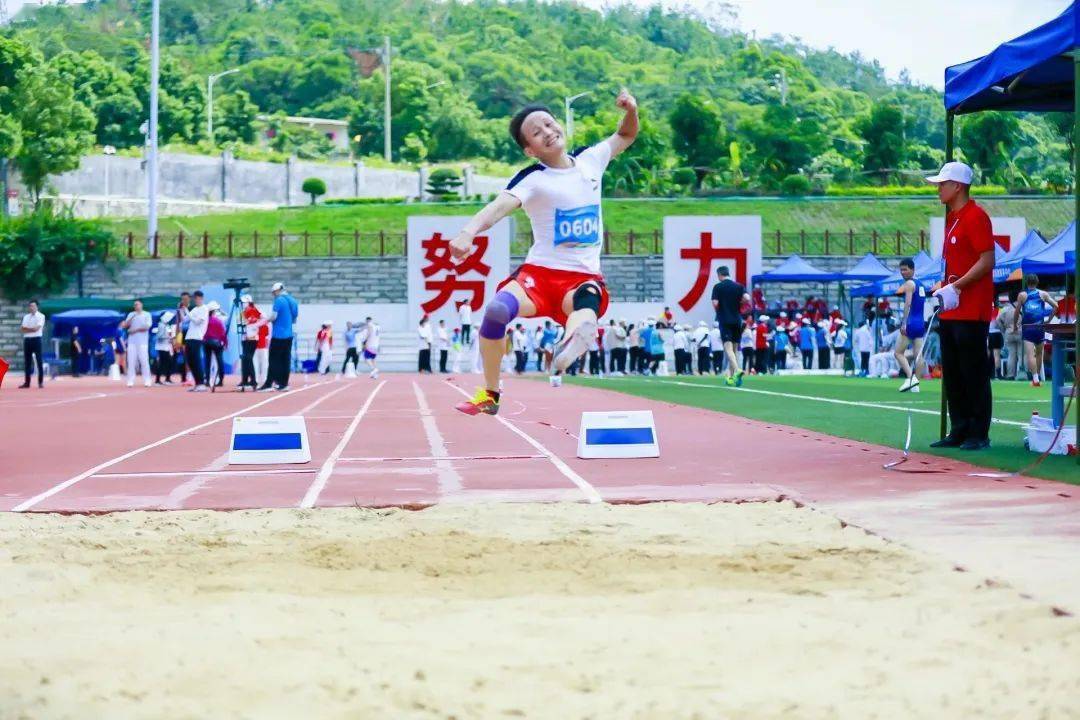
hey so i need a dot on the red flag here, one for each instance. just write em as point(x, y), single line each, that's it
point(3, 369)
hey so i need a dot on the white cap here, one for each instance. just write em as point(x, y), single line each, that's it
point(783, 314)
point(277, 286)
point(651, 320)
point(841, 322)
point(955, 171)
point(793, 326)
point(246, 299)
point(702, 323)
point(167, 316)
point(213, 306)
point(328, 322)
point(763, 318)
point(806, 321)
point(716, 324)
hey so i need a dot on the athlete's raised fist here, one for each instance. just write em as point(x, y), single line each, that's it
point(626, 101)
point(461, 246)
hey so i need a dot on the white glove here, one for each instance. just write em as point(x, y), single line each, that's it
point(948, 296)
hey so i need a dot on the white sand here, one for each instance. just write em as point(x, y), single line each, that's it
point(503, 611)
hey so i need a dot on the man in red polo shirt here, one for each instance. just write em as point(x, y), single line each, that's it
point(966, 298)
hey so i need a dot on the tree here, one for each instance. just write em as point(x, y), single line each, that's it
point(697, 133)
point(985, 138)
point(56, 129)
point(315, 187)
point(883, 131)
point(444, 183)
point(783, 142)
point(413, 149)
point(235, 117)
point(107, 91)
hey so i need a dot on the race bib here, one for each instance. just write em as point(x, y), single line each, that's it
point(577, 227)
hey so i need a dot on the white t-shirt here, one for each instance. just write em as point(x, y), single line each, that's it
point(563, 206)
point(465, 313)
point(424, 335)
point(519, 341)
point(701, 335)
point(34, 320)
point(681, 341)
point(139, 321)
point(443, 338)
point(716, 342)
point(197, 320)
point(163, 340)
point(371, 338)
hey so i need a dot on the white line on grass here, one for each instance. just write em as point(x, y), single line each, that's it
point(449, 479)
point(588, 490)
point(27, 504)
point(327, 468)
point(833, 401)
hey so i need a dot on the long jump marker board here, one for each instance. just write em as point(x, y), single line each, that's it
point(625, 434)
point(269, 441)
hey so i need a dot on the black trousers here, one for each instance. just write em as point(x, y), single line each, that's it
point(539, 361)
point(594, 362)
point(278, 361)
point(864, 362)
point(521, 359)
point(31, 348)
point(351, 354)
point(966, 372)
point(635, 359)
point(164, 366)
point(780, 360)
point(216, 351)
point(761, 360)
point(702, 360)
point(654, 361)
point(423, 363)
point(717, 361)
point(443, 355)
point(466, 334)
point(247, 363)
point(823, 357)
point(807, 359)
point(193, 355)
point(618, 360)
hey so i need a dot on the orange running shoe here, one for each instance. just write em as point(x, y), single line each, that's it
point(481, 402)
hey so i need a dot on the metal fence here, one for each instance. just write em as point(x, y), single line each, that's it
point(393, 244)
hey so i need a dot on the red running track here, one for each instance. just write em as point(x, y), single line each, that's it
point(93, 446)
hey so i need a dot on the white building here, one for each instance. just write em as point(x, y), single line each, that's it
point(336, 131)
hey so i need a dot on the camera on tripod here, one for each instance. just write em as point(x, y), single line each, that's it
point(236, 284)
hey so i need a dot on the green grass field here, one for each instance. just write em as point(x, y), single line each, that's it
point(790, 402)
point(643, 217)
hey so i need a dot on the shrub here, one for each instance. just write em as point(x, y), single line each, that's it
point(40, 252)
point(314, 187)
point(795, 185)
point(444, 181)
point(365, 201)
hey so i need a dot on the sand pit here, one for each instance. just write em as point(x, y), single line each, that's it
point(502, 611)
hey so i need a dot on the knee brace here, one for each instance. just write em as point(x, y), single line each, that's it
point(497, 315)
point(587, 297)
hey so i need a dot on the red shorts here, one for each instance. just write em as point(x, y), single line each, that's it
point(546, 288)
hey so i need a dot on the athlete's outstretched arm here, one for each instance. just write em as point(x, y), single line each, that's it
point(493, 212)
point(628, 128)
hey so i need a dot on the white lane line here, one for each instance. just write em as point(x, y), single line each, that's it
point(430, 458)
point(27, 504)
point(190, 473)
point(197, 480)
point(327, 468)
point(449, 479)
point(583, 485)
point(95, 396)
point(833, 401)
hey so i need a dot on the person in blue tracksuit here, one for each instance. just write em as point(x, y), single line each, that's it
point(1034, 306)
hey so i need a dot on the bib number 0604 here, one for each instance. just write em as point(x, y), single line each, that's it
point(580, 226)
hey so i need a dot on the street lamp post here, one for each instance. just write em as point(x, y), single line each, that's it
point(152, 130)
point(109, 151)
point(210, 80)
point(567, 102)
point(782, 84)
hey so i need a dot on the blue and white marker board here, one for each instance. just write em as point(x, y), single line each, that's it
point(269, 441)
point(623, 434)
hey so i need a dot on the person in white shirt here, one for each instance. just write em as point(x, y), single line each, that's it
point(839, 344)
point(862, 342)
point(700, 339)
point(883, 363)
point(716, 348)
point(163, 343)
point(426, 340)
point(442, 344)
point(561, 276)
point(33, 327)
point(370, 343)
point(681, 343)
point(465, 315)
point(198, 317)
point(138, 323)
point(520, 344)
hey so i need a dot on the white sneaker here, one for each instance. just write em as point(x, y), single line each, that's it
point(374, 374)
point(131, 384)
point(575, 346)
point(915, 389)
point(912, 383)
point(147, 383)
point(556, 381)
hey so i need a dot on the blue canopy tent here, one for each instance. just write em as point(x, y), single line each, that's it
point(1051, 259)
point(1005, 268)
point(94, 326)
point(867, 269)
point(795, 269)
point(1036, 72)
point(927, 271)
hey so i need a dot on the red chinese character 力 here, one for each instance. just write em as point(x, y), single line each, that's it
point(705, 254)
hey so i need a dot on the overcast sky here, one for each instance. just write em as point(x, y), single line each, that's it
point(923, 36)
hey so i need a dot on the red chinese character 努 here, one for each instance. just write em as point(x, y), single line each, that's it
point(438, 260)
point(705, 254)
